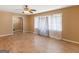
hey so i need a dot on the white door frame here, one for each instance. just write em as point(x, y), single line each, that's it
point(12, 21)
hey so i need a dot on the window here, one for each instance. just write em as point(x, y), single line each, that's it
point(55, 26)
point(49, 25)
point(57, 22)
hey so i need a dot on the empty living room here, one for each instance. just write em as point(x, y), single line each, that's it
point(39, 29)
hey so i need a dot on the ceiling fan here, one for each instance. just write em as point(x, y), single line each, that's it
point(27, 9)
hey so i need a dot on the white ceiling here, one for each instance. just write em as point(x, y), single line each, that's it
point(39, 8)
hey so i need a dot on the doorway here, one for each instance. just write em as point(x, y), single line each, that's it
point(17, 24)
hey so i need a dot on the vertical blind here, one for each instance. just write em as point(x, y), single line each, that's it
point(49, 25)
point(41, 25)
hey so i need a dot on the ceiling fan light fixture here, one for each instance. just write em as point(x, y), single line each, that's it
point(27, 12)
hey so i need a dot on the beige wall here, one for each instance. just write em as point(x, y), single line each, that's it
point(26, 24)
point(6, 22)
point(31, 23)
point(70, 22)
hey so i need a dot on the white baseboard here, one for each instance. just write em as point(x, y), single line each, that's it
point(71, 41)
point(6, 35)
point(58, 38)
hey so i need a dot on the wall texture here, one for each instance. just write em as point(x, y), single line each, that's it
point(70, 22)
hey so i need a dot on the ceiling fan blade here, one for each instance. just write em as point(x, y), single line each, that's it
point(33, 9)
point(27, 9)
point(30, 11)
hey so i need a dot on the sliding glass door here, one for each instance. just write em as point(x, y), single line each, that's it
point(49, 25)
point(55, 26)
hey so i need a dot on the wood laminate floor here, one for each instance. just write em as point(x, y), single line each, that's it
point(32, 43)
